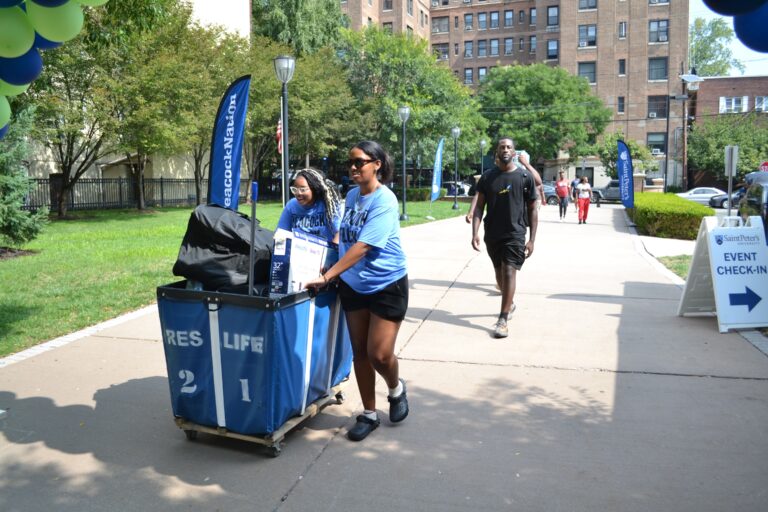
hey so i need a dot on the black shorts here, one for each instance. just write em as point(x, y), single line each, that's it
point(390, 303)
point(510, 251)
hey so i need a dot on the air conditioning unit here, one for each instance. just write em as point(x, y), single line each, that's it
point(467, 1)
point(582, 44)
point(662, 39)
point(653, 1)
point(652, 114)
point(435, 3)
point(655, 151)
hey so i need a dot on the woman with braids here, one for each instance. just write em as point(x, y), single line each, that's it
point(316, 207)
point(373, 282)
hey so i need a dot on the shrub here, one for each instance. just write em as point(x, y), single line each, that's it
point(668, 216)
point(416, 193)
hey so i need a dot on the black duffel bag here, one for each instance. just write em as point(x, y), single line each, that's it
point(215, 249)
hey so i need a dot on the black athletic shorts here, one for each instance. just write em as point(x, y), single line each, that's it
point(390, 303)
point(510, 251)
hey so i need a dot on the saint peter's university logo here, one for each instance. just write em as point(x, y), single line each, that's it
point(719, 239)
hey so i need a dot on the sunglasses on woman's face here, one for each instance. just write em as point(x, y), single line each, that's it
point(359, 163)
point(299, 190)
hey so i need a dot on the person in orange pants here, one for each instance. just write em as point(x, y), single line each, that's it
point(584, 194)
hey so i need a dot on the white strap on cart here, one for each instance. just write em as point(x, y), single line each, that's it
point(308, 363)
point(218, 385)
point(333, 331)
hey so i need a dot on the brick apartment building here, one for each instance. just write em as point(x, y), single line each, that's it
point(631, 51)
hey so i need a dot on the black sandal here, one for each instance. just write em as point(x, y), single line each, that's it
point(362, 428)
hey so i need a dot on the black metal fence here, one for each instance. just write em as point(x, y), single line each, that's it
point(114, 193)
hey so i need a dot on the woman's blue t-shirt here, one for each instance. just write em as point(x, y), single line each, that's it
point(310, 219)
point(372, 219)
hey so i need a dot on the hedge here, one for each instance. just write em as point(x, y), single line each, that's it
point(417, 194)
point(668, 216)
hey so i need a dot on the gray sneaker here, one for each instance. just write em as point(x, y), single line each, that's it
point(501, 330)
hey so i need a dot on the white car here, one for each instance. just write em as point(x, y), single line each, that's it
point(701, 195)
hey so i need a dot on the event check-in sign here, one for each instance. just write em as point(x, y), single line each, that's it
point(729, 273)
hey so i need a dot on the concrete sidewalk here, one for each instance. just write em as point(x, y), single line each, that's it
point(600, 399)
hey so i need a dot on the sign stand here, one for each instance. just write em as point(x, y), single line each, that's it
point(729, 273)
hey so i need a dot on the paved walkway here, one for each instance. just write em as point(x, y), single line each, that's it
point(600, 399)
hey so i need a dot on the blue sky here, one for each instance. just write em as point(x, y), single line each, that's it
point(756, 63)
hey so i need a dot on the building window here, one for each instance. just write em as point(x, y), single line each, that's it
point(440, 25)
point(657, 143)
point(467, 49)
point(409, 31)
point(622, 67)
point(370, 22)
point(761, 103)
point(441, 50)
point(482, 21)
point(370, 2)
point(660, 2)
point(622, 30)
point(509, 18)
point(587, 35)
point(495, 19)
point(521, 16)
point(467, 22)
point(733, 104)
point(481, 72)
point(553, 15)
point(532, 17)
point(455, 22)
point(657, 68)
point(387, 5)
point(455, 48)
point(587, 4)
point(410, 7)
point(589, 71)
point(552, 49)
point(620, 105)
point(532, 44)
point(467, 75)
point(658, 31)
point(521, 44)
point(657, 107)
point(494, 49)
point(481, 52)
point(387, 26)
point(509, 46)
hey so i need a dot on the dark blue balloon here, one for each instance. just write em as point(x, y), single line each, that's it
point(9, 3)
point(733, 7)
point(42, 43)
point(21, 70)
point(50, 3)
point(750, 29)
point(4, 130)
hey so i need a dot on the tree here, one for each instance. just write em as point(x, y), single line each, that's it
point(304, 25)
point(17, 226)
point(707, 142)
point(607, 151)
point(709, 47)
point(544, 109)
point(386, 71)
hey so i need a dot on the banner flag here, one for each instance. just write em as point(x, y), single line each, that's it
point(626, 182)
point(279, 135)
point(437, 172)
point(227, 145)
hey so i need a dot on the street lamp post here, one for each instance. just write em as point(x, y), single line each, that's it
point(691, 83)
point(482, 154)
point(284, 68)
point(455, 132)
point(404, 113)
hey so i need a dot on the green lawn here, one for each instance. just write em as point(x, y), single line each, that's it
point(100, 264)
point(677, 264)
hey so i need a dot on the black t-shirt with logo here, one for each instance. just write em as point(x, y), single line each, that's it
point(507, 195)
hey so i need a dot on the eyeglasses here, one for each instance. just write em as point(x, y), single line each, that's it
point(299, 190)
point(359, 163)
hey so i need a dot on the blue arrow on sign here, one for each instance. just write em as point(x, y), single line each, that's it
point(749, 298)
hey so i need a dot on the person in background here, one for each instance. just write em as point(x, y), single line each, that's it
point(584, 193)
point(373, 283)
point(510, 193)
point(563, 191)
point(315, 207)
point(574, 184)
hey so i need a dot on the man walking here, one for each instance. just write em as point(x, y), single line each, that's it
point(510, 193)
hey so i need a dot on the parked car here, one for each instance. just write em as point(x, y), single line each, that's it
point(701, 195)
point(550, 196)
point(610, 192)
point(721, 200)
point(755, 201)
point(462, 191)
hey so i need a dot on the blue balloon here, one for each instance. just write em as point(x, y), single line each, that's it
point(50, 3)
point(21, 70)
point(9, 3)
point(4, 130)
point(42, 43)
point(733, 7)
point(750, 29)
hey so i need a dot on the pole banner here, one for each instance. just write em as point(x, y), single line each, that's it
point(227, 145)
point(437, 172)
point(626, 184)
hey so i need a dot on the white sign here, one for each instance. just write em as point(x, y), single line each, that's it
point(729, 273)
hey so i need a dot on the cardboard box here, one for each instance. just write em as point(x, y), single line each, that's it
point(298, 257)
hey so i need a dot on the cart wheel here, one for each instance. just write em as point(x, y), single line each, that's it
point(274, 451)
point(191, 434)
point(340, 397)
